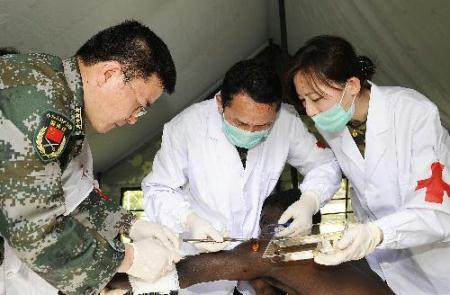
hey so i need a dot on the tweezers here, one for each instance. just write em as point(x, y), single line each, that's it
point(213, 241)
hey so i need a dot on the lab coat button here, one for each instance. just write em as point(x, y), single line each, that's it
point(9, 274)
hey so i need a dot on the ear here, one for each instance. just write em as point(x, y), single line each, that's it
point(219, 103)
point(354, 85)
point(109, 73)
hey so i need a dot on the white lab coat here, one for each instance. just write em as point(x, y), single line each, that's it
point(197, 168)
point(404, 137)
point(16, 278)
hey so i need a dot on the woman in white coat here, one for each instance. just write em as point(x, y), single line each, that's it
point(391, 145)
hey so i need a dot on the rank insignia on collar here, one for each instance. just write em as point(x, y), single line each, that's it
point(52, 135)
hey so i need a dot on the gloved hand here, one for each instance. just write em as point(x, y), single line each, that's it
point(164, 285)
point(202, 229)
point(301, 213)
point(150, 260)
point(142, 229)
point(356, 242)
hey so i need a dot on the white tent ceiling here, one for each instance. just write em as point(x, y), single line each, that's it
point(409, 40)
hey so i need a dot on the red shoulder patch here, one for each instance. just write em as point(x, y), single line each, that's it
point(102, 194)
point(52, 135)
point(321, 144)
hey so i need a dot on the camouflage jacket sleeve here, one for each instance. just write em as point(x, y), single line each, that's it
point(70, 256)
point(99, 213)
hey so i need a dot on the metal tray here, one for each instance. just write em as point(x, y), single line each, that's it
point(320, 238)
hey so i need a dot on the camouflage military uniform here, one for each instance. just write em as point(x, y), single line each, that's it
point(41, 131)
point(358, 131)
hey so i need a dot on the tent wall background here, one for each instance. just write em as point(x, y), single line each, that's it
point(409, 40)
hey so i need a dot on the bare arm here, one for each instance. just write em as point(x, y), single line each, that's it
point(237, 264)
point(295, 277)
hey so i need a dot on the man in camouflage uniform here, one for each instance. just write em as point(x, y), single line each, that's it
point(73, 242)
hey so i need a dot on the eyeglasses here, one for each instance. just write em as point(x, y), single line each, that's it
point(140, 110)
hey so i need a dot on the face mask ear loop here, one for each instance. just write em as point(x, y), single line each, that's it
point(343, 93)
point(223, 117)
point(353, 100)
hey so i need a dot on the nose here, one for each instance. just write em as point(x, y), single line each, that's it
point(311, 110)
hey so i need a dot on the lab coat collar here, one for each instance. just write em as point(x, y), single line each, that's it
point(344, 141)
point(377, 126)
point(376, 116)
point(223, 149)
point(376, 135)
point(215, 132)
point(214, 120)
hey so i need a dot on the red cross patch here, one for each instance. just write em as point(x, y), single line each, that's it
point(435, 185)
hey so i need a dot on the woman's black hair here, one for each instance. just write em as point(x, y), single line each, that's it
point(329, 60)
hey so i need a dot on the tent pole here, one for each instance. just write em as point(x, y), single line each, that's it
point(283, 32)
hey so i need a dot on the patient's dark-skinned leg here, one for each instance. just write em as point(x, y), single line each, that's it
point(239, 263)
point(294, 277)
point(262, 287)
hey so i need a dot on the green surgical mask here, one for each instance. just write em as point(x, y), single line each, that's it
point(242, 138)
point(335, 118)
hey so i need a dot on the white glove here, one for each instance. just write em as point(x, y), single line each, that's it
point(106, 291)
point(301, 213)
point(356, 242)
point(202, 229)
point(164, 285)
point(151, 260)
point(142, 229)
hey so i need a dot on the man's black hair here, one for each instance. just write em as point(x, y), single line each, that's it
point(137, 48)
point(255, 80)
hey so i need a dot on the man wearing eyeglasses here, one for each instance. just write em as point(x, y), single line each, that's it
point(54, 219)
